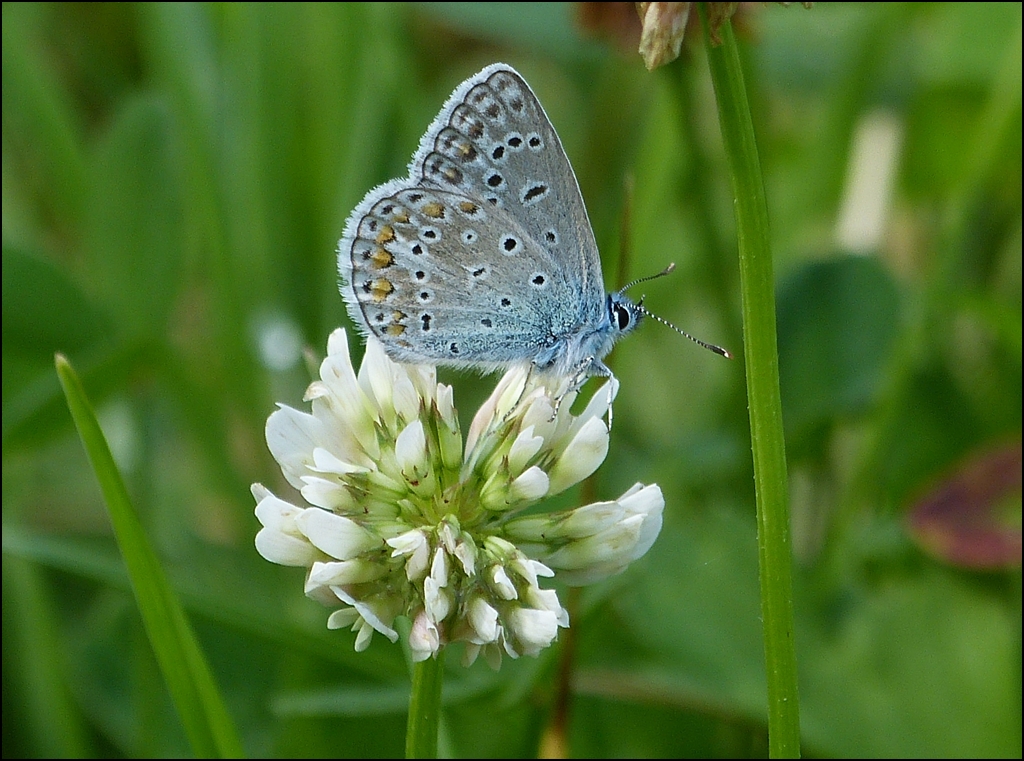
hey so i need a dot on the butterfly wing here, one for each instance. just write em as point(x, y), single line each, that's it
point(493, 138)
point(442, 278)
point(484, 256)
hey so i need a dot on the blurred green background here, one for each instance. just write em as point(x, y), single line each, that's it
point(175, 179)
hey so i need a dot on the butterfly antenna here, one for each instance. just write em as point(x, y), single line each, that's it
point(639, 280)
point(680, 331)
point(710, 347)
point(640, 306)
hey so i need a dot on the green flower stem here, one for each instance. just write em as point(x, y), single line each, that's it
point(760, 352)
point(425, 708)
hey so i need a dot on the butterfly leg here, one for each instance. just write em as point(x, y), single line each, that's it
point(587, 368)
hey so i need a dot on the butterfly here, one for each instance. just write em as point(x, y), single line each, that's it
point(484, 256)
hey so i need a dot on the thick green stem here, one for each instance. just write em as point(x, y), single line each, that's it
point(760, 352)
point(425, 708)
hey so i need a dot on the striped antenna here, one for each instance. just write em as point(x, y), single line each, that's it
point(640, 307)
point(639, 280)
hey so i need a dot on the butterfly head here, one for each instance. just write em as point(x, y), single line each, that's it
point(623, 313)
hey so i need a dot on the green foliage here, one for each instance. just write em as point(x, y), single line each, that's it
point(175, 179)
point(182, 663)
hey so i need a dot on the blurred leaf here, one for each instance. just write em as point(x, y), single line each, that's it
point(550, 28)
point(911, 665)
point(40, 120)
point(136, 235)
point(332, 143)
point(678, 638)
point(927, 435)
point(36, 411)
point(939, 124)
point(972, 519)
point(277, 615)
point(838, 319)
point(962, 44)
point(483, 729)
point(45, 311)
point(38, 667)
point(892, 664)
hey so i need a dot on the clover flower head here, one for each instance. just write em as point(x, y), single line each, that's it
point(402, 519)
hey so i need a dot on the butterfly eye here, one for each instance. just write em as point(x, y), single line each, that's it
point(621, 316)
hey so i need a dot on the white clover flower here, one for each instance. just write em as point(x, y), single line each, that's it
point(401, 521)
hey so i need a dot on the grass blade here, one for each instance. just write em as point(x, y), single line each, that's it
point(184, 667)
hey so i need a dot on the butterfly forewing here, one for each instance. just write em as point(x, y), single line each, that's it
point(493, 140)
point(484, 256)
